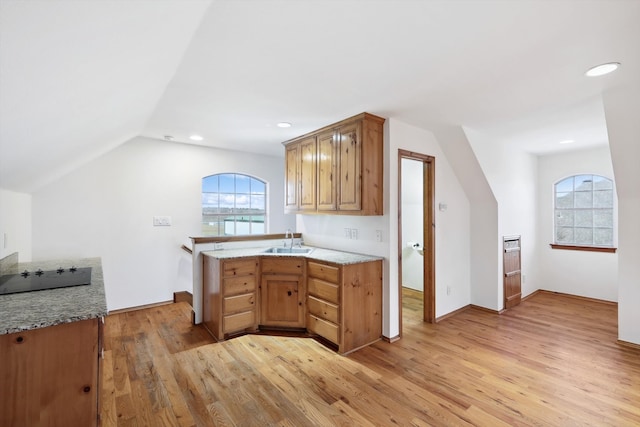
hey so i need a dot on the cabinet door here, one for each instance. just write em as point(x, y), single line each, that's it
point(307, 189)
point(350, 167)
point(282, 301)
point(292, 164)
point(327, 172)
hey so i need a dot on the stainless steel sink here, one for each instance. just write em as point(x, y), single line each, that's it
point(281, 250)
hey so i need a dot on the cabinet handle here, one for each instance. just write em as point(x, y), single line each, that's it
point(20, 339)
point(289, 293)
point(86, 389)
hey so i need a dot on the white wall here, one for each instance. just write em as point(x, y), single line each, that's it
point(588, 274)
point(621, 111)
point(452, 227)
point(105, 209)
point(486, 247)
point(512, 175)
point(15, 224)
point(412, 224)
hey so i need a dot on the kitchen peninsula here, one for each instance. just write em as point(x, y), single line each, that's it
point(332, 294)
point(50, 343)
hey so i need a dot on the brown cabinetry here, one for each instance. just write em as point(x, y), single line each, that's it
point(51, 376)
point(300, 175)
point(282, 292)
point(345, 303)
point(345, 176)
point(230, 295)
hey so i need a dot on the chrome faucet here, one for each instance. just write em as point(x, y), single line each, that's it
point(288, 234)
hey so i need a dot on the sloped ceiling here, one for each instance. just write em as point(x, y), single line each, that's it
point(102, 72)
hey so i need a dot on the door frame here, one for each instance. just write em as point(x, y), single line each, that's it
point(428, 227)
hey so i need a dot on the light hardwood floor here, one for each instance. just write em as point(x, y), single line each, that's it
point(551, 361)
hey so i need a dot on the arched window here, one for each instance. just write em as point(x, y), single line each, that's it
point(233, 204)
point(584, 211)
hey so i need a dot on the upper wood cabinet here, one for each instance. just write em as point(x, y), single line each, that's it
point(344, 175)
point(301, 175)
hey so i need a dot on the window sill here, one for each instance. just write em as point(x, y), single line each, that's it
point(584, 248)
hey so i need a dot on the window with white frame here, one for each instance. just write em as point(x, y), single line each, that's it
point(233, 204)
point(583, 211)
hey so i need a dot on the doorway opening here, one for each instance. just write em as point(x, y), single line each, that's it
point(416, 236)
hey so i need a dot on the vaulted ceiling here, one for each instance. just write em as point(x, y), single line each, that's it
point(80, 78)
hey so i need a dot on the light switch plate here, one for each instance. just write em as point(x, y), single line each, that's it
point(161, 221)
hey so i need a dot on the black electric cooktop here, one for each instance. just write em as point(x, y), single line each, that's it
point(39, 280)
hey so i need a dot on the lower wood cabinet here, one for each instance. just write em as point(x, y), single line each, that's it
point(345, 303)
point(282, 292)
point(51, 376)
point(230, 301)
point(341, 303)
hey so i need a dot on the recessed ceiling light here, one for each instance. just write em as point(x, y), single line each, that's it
point(196, 138)
point(567, 141)
point(284, 125)
point(602, 69)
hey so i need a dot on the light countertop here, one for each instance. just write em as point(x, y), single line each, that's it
point(319, 254)
point(39, 309)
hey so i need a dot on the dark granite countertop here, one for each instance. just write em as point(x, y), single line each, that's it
point(39, 309)
point(319, 254)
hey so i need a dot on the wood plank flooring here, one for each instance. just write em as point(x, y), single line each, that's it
point(551, 361)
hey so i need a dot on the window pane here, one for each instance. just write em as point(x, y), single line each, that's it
point(584, 182)
point(603, 218)
point(243, 183)
point(258, 201)
point(227, 183)
point(602, 183)
point(227, 201)
point(584, 200)
point(565, 186)
point(564, 235)
point(584, 218)
point(564, 200)
point(584, 236)
point(257, 187)
point(210, 184)
point(564, 217)
point(257, 224)
point(242, 202)
point(603, 199)
point(603, 237)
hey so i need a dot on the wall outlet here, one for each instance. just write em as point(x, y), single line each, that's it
point(161, 221)
point(448, 290)
point(347, 233)
point(354, 234)
point(378, 235)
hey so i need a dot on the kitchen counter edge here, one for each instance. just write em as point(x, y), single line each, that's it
point(39, 309)
point(317, 254)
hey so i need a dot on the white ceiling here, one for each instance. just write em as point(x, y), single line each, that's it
point(79, 78)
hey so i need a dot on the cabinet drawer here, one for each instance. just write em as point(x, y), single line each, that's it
point(323, 328)
point(323, 309)
point(239, 321)
point(323, 290)
point(239, 267)
point(282, 265)
point(323, 271)
point(238, 285)
point(244, 302)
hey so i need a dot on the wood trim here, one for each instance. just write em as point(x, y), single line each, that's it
point(485, 309)
point(583, 248)
point(628, 344)
point(183, 296)
point(429, 303)
point(244, 238)
point(453, 313)
point(536, 292)
point(391, 340)
point(186, 249)
point(139, 307)
point(601, 301)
